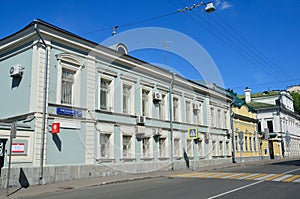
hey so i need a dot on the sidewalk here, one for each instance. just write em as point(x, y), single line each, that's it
point(17, 192)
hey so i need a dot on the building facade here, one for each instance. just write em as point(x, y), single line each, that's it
point(278, 123)
point(84, 110)
point(247, 143)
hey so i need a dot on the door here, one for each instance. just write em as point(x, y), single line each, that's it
point(2, 153)
point(271, 150)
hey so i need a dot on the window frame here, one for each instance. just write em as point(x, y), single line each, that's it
point(72, 63)
point(130, 100)
point(110, 100)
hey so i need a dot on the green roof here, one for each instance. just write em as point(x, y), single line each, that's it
point(237, 102)
point(260, 105)
point(261, 94)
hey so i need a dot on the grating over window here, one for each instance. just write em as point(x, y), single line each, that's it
point(67, 86)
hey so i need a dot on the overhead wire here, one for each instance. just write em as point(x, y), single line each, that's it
point(134, 22)
point(234, 40)
point(271, 68)
point(234, 44)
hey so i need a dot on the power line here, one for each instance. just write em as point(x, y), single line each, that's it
point(148, 19)
point(254, 56)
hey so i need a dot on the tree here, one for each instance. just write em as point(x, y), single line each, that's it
point(296, 97)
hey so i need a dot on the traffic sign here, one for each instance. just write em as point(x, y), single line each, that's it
point(193, 133)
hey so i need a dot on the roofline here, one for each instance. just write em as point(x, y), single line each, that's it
point(134, 59)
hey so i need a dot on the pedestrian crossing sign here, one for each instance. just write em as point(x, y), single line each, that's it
point(193, 133)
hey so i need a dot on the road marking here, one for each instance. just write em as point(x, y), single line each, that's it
point(273, 177)
point(229, 176)
point(292, 178)
point(243, 176)
point(255, 176)
point(298, 180)
point(247, 176)
point(263, 177)
point(291, 171)
point(237, 189)
point(282, 178)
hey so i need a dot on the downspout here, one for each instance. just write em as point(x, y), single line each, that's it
point(171, 118)
point(232, 131)
point(41, 178)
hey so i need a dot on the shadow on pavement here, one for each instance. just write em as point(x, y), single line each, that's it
point(292, 162)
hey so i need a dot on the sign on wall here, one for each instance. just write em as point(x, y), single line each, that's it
point(19, 147)
point(193, 133)
point(68, 111)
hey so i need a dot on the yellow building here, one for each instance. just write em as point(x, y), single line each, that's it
point(247, 144)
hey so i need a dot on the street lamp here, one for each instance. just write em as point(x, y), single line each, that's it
point(210, 7)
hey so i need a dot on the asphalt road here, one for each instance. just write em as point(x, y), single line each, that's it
point(266, 181)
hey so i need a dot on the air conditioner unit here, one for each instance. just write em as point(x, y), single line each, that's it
point(156, 132)
point(157, 96)
point(16, 71)
point(140, 131)
point(140, 119)
point(196, 106)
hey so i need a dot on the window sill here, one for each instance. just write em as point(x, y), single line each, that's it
point(128, 159)
point(104, 160)
point(147, 159)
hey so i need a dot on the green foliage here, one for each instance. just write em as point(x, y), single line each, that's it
point(296, 97)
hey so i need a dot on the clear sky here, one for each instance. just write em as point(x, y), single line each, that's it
point(253, 43)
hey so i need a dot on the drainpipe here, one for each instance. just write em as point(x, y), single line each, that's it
point(232, 131)
point(171, 118)
point(41, 178)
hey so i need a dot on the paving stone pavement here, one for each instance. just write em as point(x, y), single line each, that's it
point(18, 192)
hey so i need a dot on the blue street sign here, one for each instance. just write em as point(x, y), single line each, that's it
point(193, 133)
point(70, 112)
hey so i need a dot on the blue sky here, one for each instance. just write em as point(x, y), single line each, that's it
point(253, 43)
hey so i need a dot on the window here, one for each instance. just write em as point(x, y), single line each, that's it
point(254, 144)
point(227, 148)
point(236, 143)
point(270, 126)
point(127, 99)
point(214, 148)
point(162, 147)
point(176, 148)
point(161, 107)
point(175, 109)
point(250, 143)
point(198, 114)
point(146, 147)
point(145, 103)
point(225, 120)
point(246, 143)
point(212, 117)
point(221, 150)
point(259, 126)
point(189, 148)
point(69, 69)
point(200, 150)
point(105, 145)
point(67, 81)
point(126, 146)
point(105, 97)
point(188, 112)
point(219, 119)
